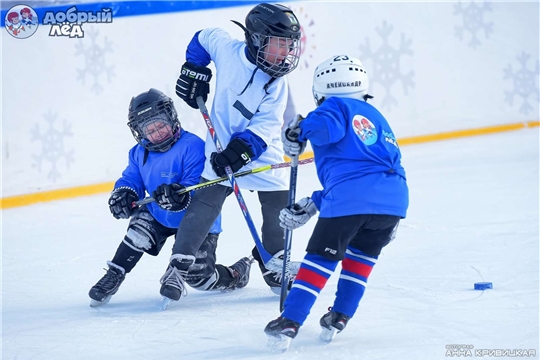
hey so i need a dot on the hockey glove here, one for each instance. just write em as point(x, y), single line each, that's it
point(298, 215)
point(289, 137)
point(194, 81)
point(167, 197)
point(236, 155)
point(121, 202)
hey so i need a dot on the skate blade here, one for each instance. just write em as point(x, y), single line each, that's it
point(327, 335)
point(165, 303)
point(279, 343)
point(276, 290)
point(95, 303)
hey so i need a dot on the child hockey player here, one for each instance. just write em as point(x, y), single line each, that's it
point(166, 159)
point(364, 196)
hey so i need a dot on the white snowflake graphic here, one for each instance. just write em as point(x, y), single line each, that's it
point(52, 145)
point(94, 58)
point(387, 64)
point(473, 21)
point(525, 83)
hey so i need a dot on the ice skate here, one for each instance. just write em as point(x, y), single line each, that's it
point(107, 286)
point(332, 323)
point(240, 272)
point(280, 332)
point(172, 282)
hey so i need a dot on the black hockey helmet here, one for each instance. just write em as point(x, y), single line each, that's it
point(272, 20)
point(153, 120)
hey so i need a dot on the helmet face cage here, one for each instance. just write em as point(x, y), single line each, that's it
point(340, 76)
point(156, 126)
point(278, 55)
point(273, 38)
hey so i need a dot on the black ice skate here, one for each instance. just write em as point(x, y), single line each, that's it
point(240, 272)
point(272, 277)
point(107, 286)
point(280, 332)
point(172, 282)
point(332, 323)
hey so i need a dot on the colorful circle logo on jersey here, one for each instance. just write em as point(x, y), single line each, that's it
point(21, 21)
point(364, 129)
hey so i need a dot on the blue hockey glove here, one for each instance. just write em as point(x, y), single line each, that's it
point(121, 202)
point(194, 81)
point(236, 155)
point(289, 136)
point(298, 215)
point(167, 197)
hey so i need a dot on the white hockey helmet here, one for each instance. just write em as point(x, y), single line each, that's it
point(341, 76)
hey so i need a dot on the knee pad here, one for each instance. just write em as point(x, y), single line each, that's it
point(140, 235)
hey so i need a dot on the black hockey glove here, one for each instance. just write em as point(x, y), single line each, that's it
point(121, 202)
point(236, 155)
point(166, 196)
point(289, 136)
point(193, 81)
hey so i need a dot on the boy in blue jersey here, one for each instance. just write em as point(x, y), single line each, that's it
point(166, 160)
point(364, 196)
point(247, 115)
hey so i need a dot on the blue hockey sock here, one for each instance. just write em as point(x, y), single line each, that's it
point(355, 271)
point(312, 276)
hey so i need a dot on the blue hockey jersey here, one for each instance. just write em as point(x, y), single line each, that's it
point(182, 163)
point(358, 160)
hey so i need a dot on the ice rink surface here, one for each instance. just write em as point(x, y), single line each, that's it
point(473, 216)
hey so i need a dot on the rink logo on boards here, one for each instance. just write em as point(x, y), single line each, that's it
point(364, 129)
point(69, 23)
point(21, 21)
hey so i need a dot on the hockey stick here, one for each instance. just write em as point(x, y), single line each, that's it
point(288, 236)
point(222, 179)
point(272, 263)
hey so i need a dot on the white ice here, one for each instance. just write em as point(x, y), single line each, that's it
point(474, 216)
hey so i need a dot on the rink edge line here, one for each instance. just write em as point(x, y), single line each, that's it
point(87, 190)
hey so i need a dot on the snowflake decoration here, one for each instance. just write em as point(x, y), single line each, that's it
point(473, 21)
point(94, 57)
point(387, 65)
point(52, 145)
point(524, 83)
point(307, 50)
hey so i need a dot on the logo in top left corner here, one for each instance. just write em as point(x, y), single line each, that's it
point(21, 21)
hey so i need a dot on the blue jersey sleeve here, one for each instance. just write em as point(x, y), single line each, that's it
point(255, 142)
point(317, 197)
point(131, 177)
point(324, 125)
point(196, 53)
